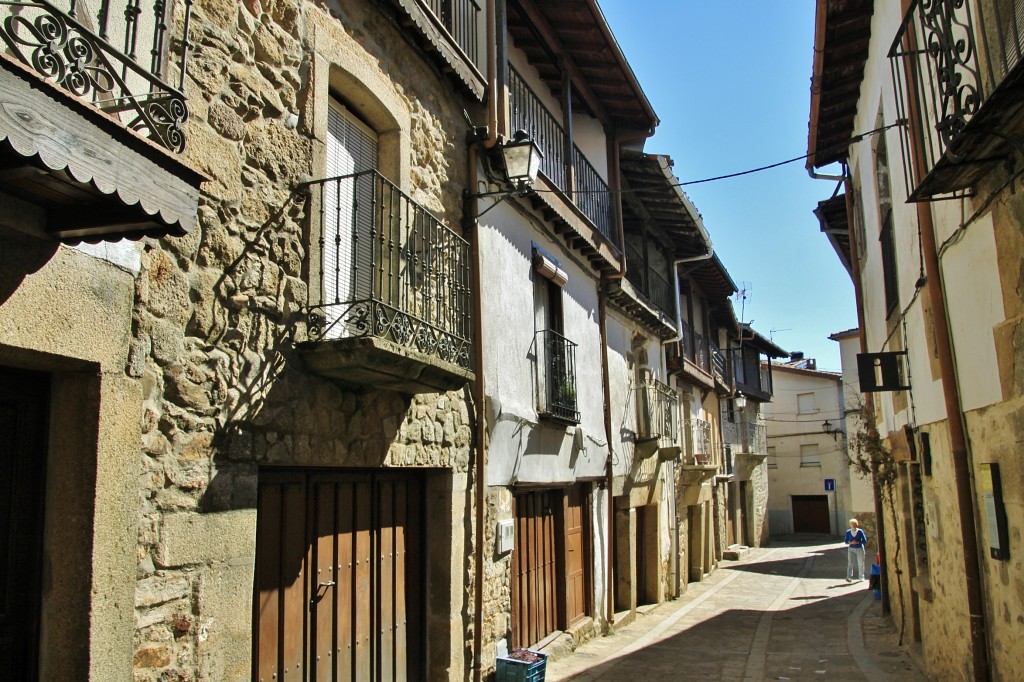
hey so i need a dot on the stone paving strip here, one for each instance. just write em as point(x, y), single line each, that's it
point(784, 613)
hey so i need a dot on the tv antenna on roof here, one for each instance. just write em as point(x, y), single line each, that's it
point(746, 291)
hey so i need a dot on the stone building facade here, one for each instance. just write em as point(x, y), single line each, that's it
point(212, 396)
point(807, 442)
point(278, 379)
point(929, 229)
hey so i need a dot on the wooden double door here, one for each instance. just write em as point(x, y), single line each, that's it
point(339, 588)
point(550, 562)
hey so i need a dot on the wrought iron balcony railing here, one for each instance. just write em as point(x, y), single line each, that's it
point(388, 268)
point(461, 19)
point(657, 411)
point(649, 281)
point(750, 374)
point(588, 190)
point(746, 436)
point(590, 194)
point(700, 352)
point(102, 58)
point(718, 362)
point(698, 441)
point(556, 376)
point(950, 61)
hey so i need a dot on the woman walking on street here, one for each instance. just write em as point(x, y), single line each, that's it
point(855, 539)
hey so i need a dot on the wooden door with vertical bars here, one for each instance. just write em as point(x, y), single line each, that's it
point(577, 554)
point(535, 602)
point(339, 577)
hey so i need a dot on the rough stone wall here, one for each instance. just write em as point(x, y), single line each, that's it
point(497, 608)
point(683, 542)
point(995, 433)
point(940, 587)
point(757, 490)
point(720, 521)
point(215, 319)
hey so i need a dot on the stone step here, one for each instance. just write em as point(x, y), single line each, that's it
point(736, 552)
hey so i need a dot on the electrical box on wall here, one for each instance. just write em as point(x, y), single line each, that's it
point(505, 537)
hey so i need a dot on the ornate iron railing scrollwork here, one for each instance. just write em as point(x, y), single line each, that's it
point(61, 48)
point(948, 61)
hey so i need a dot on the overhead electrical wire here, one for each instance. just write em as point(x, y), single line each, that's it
point(727, 176)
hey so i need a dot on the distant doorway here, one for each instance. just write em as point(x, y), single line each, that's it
point(810, 514)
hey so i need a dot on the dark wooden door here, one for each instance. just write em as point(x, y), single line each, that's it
point(577, 555)
point(339, 577)
point(746, 518)
point(810, 514)
point(24, 400)
point(535, 587)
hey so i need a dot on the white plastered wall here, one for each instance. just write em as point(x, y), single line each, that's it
point(524, 449)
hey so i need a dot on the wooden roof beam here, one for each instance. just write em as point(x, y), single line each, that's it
point(580, 84)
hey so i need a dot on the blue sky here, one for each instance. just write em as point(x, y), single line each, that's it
point(730, 81)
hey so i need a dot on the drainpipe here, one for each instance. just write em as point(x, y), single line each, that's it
point(962, 470)
point(480, 426)
point(820, 17)
point(602, 312)
point(679, 304)
point(615, 173)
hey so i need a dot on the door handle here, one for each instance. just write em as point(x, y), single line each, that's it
point(329, 583)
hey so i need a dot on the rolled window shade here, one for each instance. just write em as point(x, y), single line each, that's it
point(547, 267)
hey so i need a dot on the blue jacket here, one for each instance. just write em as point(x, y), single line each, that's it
point(859, 539)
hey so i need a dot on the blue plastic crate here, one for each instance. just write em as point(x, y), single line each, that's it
point(511, 670)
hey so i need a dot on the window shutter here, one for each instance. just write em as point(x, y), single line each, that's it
point(351, 149)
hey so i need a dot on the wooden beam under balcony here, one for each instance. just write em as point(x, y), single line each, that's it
point(574, 227)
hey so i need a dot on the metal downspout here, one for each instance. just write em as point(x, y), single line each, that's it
point(675, 276)
point(495, 118)
point(479, 443)
point(602, 312)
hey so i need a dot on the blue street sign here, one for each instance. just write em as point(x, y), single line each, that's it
point(830, 484)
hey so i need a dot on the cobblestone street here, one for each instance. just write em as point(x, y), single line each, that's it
point(782, 613)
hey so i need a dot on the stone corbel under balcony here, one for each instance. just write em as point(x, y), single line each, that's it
point(694, 479)
point(666, 452)
point(746, 462)
point(374, 363)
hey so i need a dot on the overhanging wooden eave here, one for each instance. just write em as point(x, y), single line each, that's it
point(61, 153)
